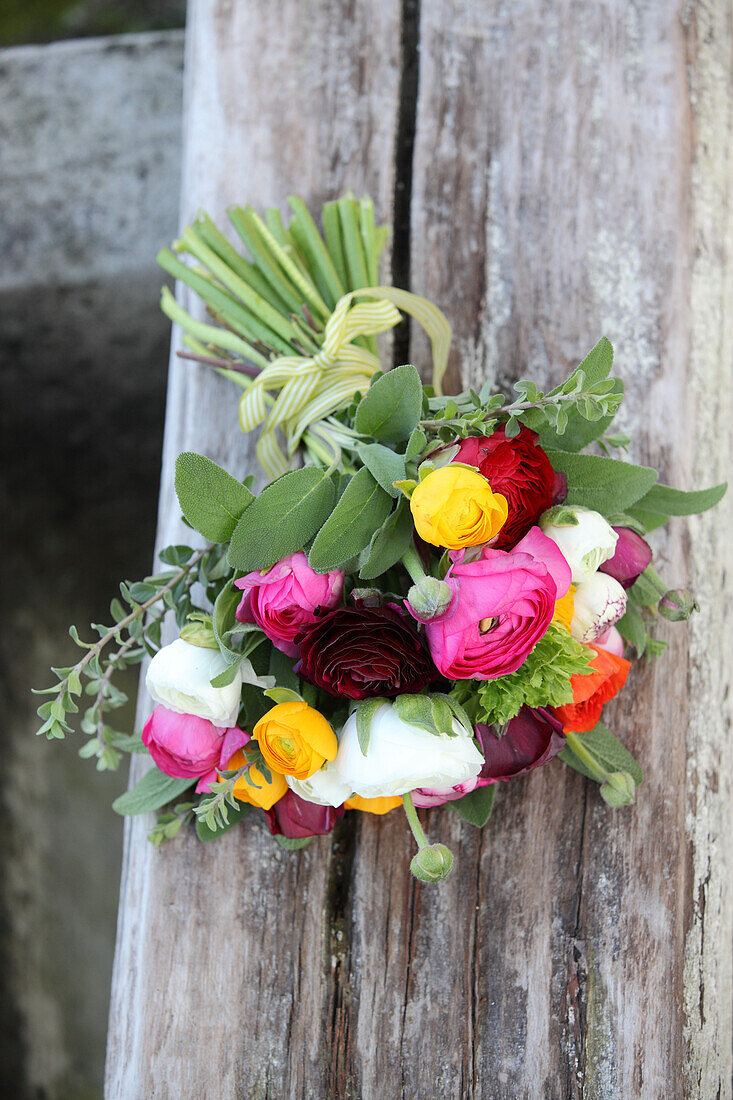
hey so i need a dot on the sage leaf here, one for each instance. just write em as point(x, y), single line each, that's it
point(364, 714)
point(384, 465)
point(604, 484)
point(211, 499)
point(389, 543)
point(607, 750)
point(361, 510)
point(476, 806)
point(391, 408)
point(662, 499)
point(282, 519)
point(153, 791)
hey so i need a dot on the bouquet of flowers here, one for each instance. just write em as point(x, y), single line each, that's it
point(431, 596)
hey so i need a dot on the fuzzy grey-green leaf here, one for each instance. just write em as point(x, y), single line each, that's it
point(211, 499)
point(282, 519)
point(360, 512)
point(390, 410)
point(153, 791)
point(604, 484)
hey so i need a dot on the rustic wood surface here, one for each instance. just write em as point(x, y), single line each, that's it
point(572, 175)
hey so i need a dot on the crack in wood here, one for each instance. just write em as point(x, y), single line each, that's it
point(404, 148)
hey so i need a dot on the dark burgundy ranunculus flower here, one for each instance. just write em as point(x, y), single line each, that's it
point(362, 652)
point(520, 470)
point(631, 557)
point(293, 817)
point(532, 738)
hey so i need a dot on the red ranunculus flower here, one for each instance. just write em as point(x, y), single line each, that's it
point(294, 818)
point(520, 470)
point(362, 652)
point(531, 738)
point(591, 690)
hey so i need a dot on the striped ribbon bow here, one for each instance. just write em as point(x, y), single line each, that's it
point(310, 388)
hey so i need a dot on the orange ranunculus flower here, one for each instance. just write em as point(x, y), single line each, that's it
point(295, 739)
point(565, 608)
point(265, 794)
point(372, 805)
point(454, 506)
point(591, 690)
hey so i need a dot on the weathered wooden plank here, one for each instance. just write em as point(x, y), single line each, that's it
point(572, 177)
point(223, 979)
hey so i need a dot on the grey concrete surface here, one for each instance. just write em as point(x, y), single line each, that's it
point(89, 181)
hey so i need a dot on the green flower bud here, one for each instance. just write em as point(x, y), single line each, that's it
point(677, 605)
point(619, 789)
point(429, 599)
point(433, 863)
point(199, 631)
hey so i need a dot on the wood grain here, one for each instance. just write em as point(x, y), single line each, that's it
point(572, 175)
point(223, 976)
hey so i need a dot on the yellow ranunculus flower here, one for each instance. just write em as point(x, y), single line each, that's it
point(295, 739)
point(265, 794)
point(565, 608)
point(454, 507)
point(372, 805)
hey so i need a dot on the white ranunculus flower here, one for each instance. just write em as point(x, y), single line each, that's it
point(401, 757)
point(325, 787)
point(586, 544)
point(598, 604)
point(179, 677)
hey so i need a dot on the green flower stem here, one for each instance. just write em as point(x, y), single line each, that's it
point(412, 820)
point(411, 561)
point(573, 742)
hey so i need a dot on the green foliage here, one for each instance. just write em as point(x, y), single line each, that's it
point(234, 816)
point(434, 713)
point(598, 754)
point(283, 518)
point(661, 502)
point(390, 411)
point(543, 680)
point(588, 417)
point(153, 791)
point(135, 632)
point(604, 484)
point(360, 512)
point(293, 844)
point(364, 714)
point(211, 499)
point(384, 464)
point(476, 806)
point(388, 543)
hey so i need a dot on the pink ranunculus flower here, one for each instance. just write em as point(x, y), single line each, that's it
point(234, 739)
point(427, 797)
point(183, 745)
point(503, 605)
point(283, 600)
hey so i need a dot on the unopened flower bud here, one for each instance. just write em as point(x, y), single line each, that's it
point(677, 605)
point(619, 789)
point(599, 603)
point(429, 599)
point(433, 863)
point(200, 632)
point(366, 597)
